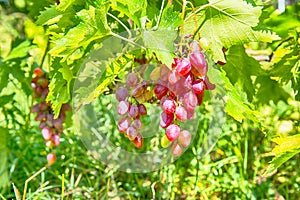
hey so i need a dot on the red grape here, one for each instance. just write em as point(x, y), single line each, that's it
point(184, 138)
point(138, 141)
point(133, 111)
point(47, 133)
point(198, 86)
point(132, 80)
point(190, 101)
point(169, 106)
point(208, 84)
point(55, 139)
point(164, 72)
point(137, 123)
point(123, 124)
point(123, 107)
point(38, 72)
point(166, 119)
point(199, 64)
point(172, 132)
point(160, 91)
point(173, 77)
point(183, 66)
point(51, 157)
point(121, 94)
point(142, 109)
point(181, 113)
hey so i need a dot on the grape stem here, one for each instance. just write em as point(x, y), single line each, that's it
point(127, 40)
point(118, 20)
point(159, 16)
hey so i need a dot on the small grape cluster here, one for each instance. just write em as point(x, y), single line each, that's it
point(130, 109)
point(51, 128)
point(180, 90)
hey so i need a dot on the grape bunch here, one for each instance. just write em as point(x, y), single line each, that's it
point(180, 90)
point(177, 89)
point(51, 128)
point(130, 108)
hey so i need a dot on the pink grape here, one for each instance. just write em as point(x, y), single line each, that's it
point(173, 77)
point(166, 119)
point(51, 158)
point(123, 124)
point(47, 133)
point(57, 123)
point(208, 84)
point(176, 150)
point(133, 111)
point(142, 109)
point(55, 140)
point(181, 113)
point(172, 132)
point(190, 101)
point(132, 80)
point(199, 64)
point(123, 107)
point(183, 66)
point(164, 72)
point(131, 133)
point(169, 106)
point(137, 123)
point(184, 138)
point(35, 108)
point(121, 94)
point(198, 86)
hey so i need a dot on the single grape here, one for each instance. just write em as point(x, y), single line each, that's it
point(55, 139)
point(188, 81)
point(190, 101)
point(58, 124)
point(123, 124)
point(43, 82)
point(40, 116)
point(169, 106)
point(138, 141)
point(194, 46)
point(47, 133)
point(172, 132)
point(43, 106)
point(121, 94)
point(65, 107)
point(198, 86)
point(35, 108)
point(51, 157)
point(38, 72)
point(133, 111)
point(173, 77)
point(176, 150)
point(183, 66)
point(198, 62)
point(181, 113)
point(166, 119)
point(165, 142)
point(123, 107)
point(138, 90)
point(137, 123)
point(160, 91)
point(142, 109)
point(132, 80)
point(164, 73)
point(131, 133)
point(42, 125)
point(184, 138)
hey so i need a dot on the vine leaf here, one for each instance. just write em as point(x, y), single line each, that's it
point(226, 24)
point(285, 149)
point(4, 179)
point(170, 20)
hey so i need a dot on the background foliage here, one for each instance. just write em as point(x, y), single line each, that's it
point(257, 155)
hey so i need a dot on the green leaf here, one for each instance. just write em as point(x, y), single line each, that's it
point(49, 16)
point(161, 42)
point(134, 9)
point(4, 72)
point(286, 148)
point(226, 24)
point(237, 104)
point(170, 20)
point(4, 99)
point(20, 51)
point(239, 69)
point(4, 179)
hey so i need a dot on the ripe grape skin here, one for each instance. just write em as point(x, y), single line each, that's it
point(133, 111)
point(160, 91)
point(47, 133)
point(184, 138)
point(176, 150)
point(55, 139)
point(137, 123)
point(138, 141)
point(173, 77)
point(51, 157)
point(181, 113)
point(132, 80)
point(198, 62)
point(123, 107)
point(198, 86)
point(172, 132)
point(121, 94)
point(190, 101)
point(123, 124)
point(166, 119)
point(169, 106)
point(38, 72)
point(183, 66)
point(142, 109)
point(131, 133)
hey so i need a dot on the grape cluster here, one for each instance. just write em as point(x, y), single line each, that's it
point(180, 90)
point(51, 128)
point(130, 109)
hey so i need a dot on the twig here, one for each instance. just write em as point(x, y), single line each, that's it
point(159, 16)
point(118, 20)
